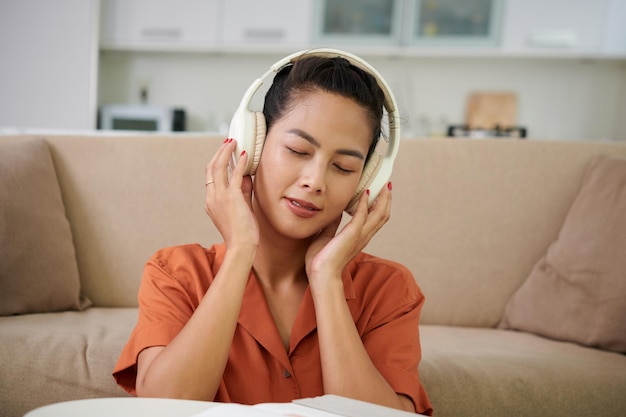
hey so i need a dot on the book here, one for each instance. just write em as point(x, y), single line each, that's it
point(323, 406)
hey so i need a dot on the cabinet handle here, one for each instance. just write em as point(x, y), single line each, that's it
point(265, 34)
point(553, 39)
point(161, 33)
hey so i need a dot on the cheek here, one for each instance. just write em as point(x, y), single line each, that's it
point(271, 171)
point(270, 154)
point(343, 190)
point(273, 165)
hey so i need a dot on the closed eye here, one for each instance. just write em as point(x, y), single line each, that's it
point(297, 152)
point(301, 154)
point(343, 170)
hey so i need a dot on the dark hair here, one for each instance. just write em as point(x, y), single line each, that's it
point(334, 75)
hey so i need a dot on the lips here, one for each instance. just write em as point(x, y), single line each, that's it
point(302, 208)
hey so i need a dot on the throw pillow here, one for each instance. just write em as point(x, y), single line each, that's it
point(577, 291)
point(38, 268)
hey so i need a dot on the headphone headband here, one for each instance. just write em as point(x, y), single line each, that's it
point(376, 172)
point(389, 102)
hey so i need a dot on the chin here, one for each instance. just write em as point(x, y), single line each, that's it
point(297, 232)
point(302, 230)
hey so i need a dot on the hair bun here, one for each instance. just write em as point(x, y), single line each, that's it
point(341, 62)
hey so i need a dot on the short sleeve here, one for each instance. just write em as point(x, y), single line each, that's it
point(173, 283)
point(391, 337)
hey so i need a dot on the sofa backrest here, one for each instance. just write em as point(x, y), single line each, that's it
point(470, 217)
point(125, 198)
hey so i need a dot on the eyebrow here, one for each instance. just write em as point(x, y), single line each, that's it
point(304, 135)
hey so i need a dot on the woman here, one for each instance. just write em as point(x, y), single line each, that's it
point(287, 306)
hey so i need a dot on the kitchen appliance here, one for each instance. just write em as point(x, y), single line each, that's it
point(465, 131)
point(142, 117)
point(490, 115)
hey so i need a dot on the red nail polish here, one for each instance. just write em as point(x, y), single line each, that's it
point(367, 191)
point(243, 152)
point(389, 186)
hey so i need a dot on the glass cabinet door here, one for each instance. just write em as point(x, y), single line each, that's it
point(374, 22)
point(456, 23)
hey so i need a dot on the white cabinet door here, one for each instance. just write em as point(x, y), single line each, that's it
point(359, 22)
point(615, 35)
point(48, 64)
point(571, 26)
point(146, 24)
point(266, 22)
point(450, 23)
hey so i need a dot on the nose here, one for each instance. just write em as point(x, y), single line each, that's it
point(313, 177)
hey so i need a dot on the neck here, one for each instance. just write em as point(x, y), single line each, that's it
point(280, 261)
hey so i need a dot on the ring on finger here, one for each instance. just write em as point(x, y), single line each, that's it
point(208, 182)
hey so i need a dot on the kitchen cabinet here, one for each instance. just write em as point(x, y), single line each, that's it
point(159, 24)
point(571, 28)
point(452, 23)
point(615, 34)
point(429, 23)
point(371, 22)
point(266, 22)
point(48, 75)
point(554, 26)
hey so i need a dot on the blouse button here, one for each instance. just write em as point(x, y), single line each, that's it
point(286, 373)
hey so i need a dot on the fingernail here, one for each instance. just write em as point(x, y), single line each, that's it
point(243, 152)
point(367, 191)
point(225, 140)
point(389, 186)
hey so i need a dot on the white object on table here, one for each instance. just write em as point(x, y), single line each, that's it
point(122, 407)
point(322, 406)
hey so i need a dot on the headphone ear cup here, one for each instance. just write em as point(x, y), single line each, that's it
point(258, 136)
point(369, 173)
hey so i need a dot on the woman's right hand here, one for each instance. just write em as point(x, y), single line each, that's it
point(228, 201)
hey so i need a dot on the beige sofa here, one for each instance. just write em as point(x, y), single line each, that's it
point(470, 218)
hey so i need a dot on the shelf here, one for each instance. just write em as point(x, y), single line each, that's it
point(376, 51)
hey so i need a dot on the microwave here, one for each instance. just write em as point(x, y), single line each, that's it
point(142, 117)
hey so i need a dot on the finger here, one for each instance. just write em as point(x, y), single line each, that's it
point(212, 166)
point(361, 227)
point(220, 168)
point(247, 187)
point(361, 212)
point(383, 201)
point(356, 225)
point(238, 171)
point(380, 212)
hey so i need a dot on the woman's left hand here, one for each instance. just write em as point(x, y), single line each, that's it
point(330, 252)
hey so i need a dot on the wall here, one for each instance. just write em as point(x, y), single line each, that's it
point(48, 63)
point(558, 98)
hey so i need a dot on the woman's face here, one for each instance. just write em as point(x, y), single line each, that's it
point(311, 163)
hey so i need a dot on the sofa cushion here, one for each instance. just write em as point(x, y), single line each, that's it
point(474, 372)
point(53, 357)
point(577, 290)
point(38, 269)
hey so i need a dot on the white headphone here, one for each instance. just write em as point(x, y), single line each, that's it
point(249, 128)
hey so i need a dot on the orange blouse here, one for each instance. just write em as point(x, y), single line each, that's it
point(383, 298)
